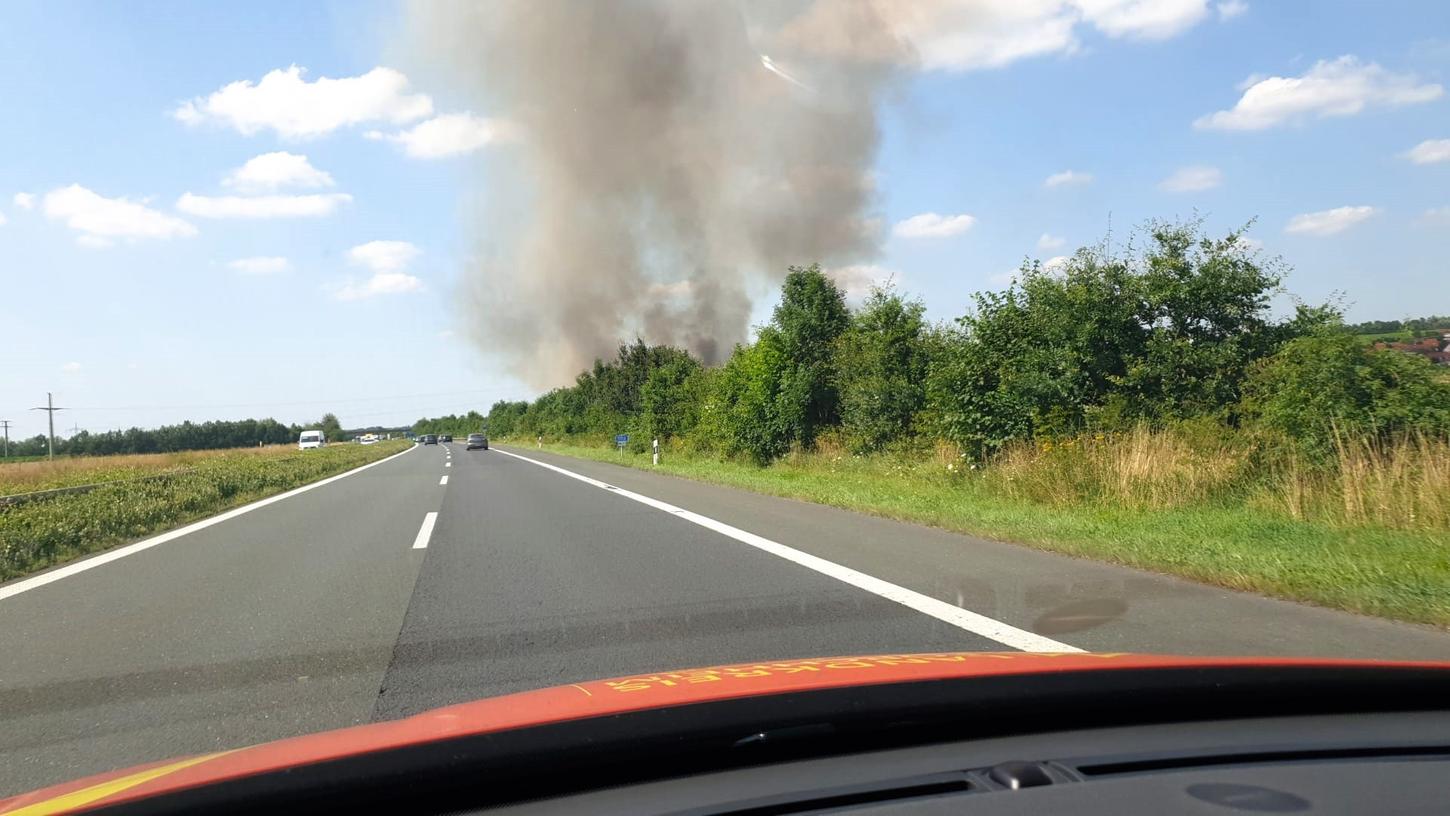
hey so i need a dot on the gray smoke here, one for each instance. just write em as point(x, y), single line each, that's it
point(669, 155)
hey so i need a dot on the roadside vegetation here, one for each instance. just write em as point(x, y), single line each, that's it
point(141, 495)
point(1144, 406)
point(215, 435)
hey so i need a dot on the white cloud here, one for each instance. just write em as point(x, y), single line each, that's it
point(1067, 177)
point(99, 220)
point(1340, 87)
point(387, 260)
point(261, 265)
point(452, 134)
point(273, 171)
point(3, 219)
point(857, 281)
point(950, 35)
point(1230, 9)
point(1050, 241)
point(382, 283)
point(270, 206)
point(1144, 19)
point(71, 367)
point(1328, 222)
point(1055, 263)
point(1251, 244)
point(1192, 179)
point(25, 201)
point(1429, 151)
point(285, 102)
point(932, 225)
point(384, 256)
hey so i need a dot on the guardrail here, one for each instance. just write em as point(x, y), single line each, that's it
point(40, 495)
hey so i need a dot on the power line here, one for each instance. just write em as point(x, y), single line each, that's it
point(6, 424)
point(50, 410)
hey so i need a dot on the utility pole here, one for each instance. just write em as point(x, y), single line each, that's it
point(49, 409)
point(6, 424)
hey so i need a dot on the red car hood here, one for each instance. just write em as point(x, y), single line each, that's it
point(596, 699)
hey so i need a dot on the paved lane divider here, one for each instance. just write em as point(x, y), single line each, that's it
point(447, 464)
point(425, 532)
point(146, 544)
point(443, 481)
point(982, 625)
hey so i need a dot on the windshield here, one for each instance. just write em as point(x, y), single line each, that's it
point(789, 330)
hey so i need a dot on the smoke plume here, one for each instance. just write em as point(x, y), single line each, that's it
point(669, 156)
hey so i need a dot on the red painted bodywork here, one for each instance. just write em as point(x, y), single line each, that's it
point(602, 698)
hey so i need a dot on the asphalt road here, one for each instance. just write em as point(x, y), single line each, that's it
point(322, 610)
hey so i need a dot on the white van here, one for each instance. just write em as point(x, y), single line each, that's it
point(311, 439)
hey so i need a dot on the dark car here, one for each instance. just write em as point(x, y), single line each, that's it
point(429, 439)
point(477, 441)
point(445, 438)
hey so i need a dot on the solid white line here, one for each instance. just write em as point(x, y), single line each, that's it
point(425, 532)
point(443, 481)
point(989, 628)
point(131, 549)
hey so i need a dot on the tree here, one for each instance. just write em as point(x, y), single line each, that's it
point(670, 398)
point(810, 317)
point(331, 428)
point(747, 397)
point(1166, 333)
point(881, 364)
point(1329, 382)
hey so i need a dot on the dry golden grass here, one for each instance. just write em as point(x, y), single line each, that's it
point(1404, 483)
point(1142, 469)
point(24, 477)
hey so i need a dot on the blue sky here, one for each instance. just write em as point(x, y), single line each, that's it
point(144, 282)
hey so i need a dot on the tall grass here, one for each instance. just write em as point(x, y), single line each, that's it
point(1142, 469)
point(1400, 484)
point(1403, 483)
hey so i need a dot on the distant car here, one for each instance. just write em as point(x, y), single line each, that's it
point(308, 440)
point(429, 439)
point(477, 441)
point(445, 438)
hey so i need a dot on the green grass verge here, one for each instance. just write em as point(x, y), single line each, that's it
point(42, 533)
point(1397, 574)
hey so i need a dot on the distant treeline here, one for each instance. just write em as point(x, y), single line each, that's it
point(471, 422)
point(1413, 325)
point(185, 436)
point(1176, 331)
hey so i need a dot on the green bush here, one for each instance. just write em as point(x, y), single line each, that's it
point(1328, 384)
point(881, 364)
point(1109, 341)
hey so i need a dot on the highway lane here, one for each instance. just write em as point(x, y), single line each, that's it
point(333, 607)
point(275, 623)
point(534, 579)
